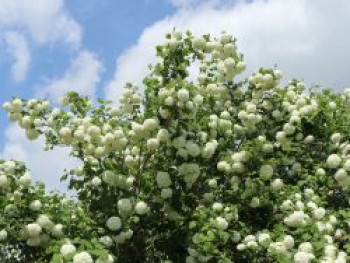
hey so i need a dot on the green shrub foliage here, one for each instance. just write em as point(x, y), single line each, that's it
point(202, 166)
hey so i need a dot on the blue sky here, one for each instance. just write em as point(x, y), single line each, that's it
point(95, 46)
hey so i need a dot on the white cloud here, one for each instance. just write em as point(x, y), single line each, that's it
point(194, 3)
point(82, 76)
point(45, 21)
point(38, 22)
point(184, 3)
point(17, 47)
point(46, 166)
point(306, 38)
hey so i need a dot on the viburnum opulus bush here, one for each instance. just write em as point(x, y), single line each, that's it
point(204, 169)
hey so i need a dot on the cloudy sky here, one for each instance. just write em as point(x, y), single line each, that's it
point(49, 47)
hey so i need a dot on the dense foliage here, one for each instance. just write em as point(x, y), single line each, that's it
point(198, 169)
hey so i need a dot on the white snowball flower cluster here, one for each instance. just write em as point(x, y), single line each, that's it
point(304, 253)
point(68, 249)
point(163, 179)
point(141, 208)
point(334, 161)
point(190, 172)
point(297, 218)
point(3, 235)
point(83, 257)
point(124, 206)
point(114, 223)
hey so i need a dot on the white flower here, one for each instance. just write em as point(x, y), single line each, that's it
point(152, 144)
point(278, 247)
point(94, 131)
point(320, 172)
point(3, 235)
point(166, 193)
point(109, 259)
point(9, 166)
point(297, 218)
point(241, 247)
point(333, 161)
point(332, 105)
point(209, 149)
point(229, 63)
point(114, 223)
point(67, 249)
point(332, 219)
point(212, 183)
point(303, 257)
point(57, 230)
point(35, 205)
point(32, 134)
point(193, 149)
point(347, 165)
point(82, 257)
point(63, 101)
point(277, 184)
point(319, 213)
point(281, 136)
point(340, 174)
point(264, 239)
point(221, 223)
point(249, 238)
point(341, 258)
point(255, 202)
point(223, 166)
point(198, 99)
point(24, 180)
point(163, 135)
point(65, 132)
point(44, 222)
point(190, 171)
point(183, 95)
point(3, 181)
point(26, 122)
point(309, 193)
point(330, 251)
point(124, 205)
point(129, 161)
point(335, 138)
point(7, 106)
point(289, 129)
point(150, 124)
point(252, 244)
point(141, 208)
point(288, 241)
point(305, 247)
point(241, 65)
point(96, 181)
point(217, 206)
point(33, 230)
point(107, 241)
point(199, 42)
point(190, 259)
point(33, 241)
point(163, 179)
point(266, 172)
point(17, 105)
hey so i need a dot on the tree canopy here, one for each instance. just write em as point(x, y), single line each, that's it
point(197, 165)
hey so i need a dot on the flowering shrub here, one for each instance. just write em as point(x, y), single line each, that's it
point(204, 169)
